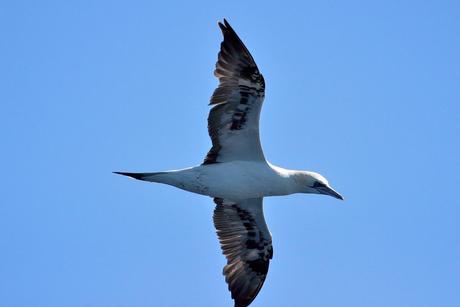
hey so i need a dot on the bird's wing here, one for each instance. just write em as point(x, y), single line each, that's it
point(233, 122)
point(246, 243)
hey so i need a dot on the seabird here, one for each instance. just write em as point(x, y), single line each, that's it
point(235, 172)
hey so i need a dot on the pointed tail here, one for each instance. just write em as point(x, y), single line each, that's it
point(141, 176)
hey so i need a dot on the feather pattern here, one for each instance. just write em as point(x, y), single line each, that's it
point(233, 121)
point(246, 243)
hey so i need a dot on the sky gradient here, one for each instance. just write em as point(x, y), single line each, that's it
point(366, 94)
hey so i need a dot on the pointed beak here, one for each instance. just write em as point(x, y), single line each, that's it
point(331, 192)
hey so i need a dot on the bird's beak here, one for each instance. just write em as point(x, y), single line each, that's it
point(331, 192)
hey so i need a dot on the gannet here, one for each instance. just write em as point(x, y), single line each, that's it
point(235, 172)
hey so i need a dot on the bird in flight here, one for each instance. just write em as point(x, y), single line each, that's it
point(235, 172)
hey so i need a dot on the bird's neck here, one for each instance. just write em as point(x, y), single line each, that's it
point(292, 179)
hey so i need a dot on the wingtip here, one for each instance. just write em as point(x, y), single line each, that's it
point(222, 26)
point(225, 26)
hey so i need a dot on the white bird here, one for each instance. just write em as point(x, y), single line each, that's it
point(235, 172)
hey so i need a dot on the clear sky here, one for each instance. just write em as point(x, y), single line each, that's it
point(365, 93)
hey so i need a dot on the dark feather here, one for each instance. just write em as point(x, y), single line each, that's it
point(237, 102)
point(246, 243)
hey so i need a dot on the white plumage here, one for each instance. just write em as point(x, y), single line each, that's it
point(235, 172)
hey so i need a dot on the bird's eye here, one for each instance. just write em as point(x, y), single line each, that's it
point(318, 184)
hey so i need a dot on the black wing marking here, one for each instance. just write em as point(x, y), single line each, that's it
point(246, 243)
point(233, 122)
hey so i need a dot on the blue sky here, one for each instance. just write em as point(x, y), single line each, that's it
point(366, 93)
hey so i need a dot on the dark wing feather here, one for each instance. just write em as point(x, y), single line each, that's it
point(246, 243)
point(233, 122)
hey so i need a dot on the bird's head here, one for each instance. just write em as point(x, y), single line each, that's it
point(314, 183)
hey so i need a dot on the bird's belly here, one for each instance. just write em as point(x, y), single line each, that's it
point(239, 180)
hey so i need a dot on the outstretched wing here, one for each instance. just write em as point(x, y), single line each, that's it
point(246, 243)
point(233, 122)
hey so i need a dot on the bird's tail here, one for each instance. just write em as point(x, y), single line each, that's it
point(152, 177)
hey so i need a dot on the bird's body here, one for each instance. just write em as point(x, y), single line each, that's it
point(235, 172)
point(235, 180)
